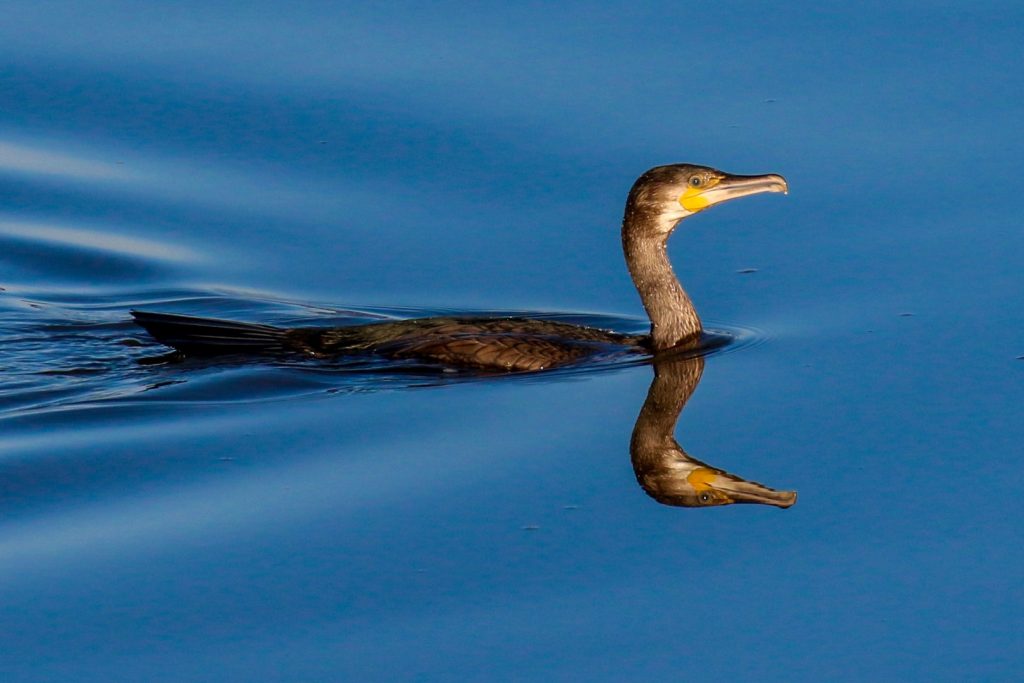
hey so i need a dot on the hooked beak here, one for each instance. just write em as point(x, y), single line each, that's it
point(732, 187)
point(742, 491)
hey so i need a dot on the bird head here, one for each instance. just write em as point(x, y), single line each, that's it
point(668, 194)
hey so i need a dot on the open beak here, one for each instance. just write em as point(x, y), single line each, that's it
point(731, 187)
point(742, 491)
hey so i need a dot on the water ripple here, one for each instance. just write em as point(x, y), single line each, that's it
point(65, 349)
point(92, 240)
point(24, 159)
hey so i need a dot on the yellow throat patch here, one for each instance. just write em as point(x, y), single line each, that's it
point(693, 200)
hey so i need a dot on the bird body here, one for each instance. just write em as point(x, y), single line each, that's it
point(509, 344)
point(658, 201)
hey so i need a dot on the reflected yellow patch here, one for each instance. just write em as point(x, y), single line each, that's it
point(700, 479)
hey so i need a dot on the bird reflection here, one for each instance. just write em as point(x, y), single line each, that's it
point(663, 469)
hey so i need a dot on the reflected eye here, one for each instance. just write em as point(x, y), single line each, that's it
point(696, 181)
point(705, 497)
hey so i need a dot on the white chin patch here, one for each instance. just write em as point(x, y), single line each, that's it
point(668, 220)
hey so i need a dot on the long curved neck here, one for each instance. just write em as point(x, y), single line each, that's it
point(674, 319)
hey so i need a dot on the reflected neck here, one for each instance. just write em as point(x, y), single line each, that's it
point(674, 382)
point(674, 319)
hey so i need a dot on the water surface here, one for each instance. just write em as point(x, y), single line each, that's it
point(313, 163)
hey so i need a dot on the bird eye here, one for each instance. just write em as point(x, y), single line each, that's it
point(705, 497)
point(696, 181)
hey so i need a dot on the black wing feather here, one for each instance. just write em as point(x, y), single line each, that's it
point(210, 336)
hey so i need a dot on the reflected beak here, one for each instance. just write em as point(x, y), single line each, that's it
point(731, 187)
point(740, 491)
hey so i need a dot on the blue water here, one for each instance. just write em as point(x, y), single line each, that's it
point(310, 162)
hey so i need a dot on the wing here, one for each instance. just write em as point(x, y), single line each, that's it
point(494, 352)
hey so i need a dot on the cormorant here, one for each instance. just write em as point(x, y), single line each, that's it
point(658, 201)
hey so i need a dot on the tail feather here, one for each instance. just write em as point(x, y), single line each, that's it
point(209, 336)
